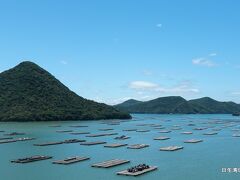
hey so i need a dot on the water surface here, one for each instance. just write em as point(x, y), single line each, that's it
point(196, 161)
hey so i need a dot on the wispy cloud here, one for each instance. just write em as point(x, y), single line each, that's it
point(213, 54)
point(203, 62)
point(64, 62)
point(142, 85)
point(236, 93)
point(159, 25)
point(181, 88)
point(147, 72)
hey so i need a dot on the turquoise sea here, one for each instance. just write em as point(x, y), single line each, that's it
point(199, 161)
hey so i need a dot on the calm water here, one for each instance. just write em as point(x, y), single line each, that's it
point(196, 161)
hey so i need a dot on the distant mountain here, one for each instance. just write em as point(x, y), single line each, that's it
point(129, 103)
point(178, 105)
point(29, 93)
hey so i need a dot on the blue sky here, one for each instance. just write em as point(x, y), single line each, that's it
point(113, 50)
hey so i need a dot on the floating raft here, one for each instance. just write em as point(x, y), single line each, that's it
point(123, 137)
point(164, 131)
point(71, 160)
point(176, 128)
point(115, 145)
point(106, 129)
point(49, 143)
point(78, 126)
point(236, 135)
point(110, 163)
point(186, 132)
point(68, 141)
point(159, 128)
point(193, 141)
point(210, 133)
point(156, 125)
point(171, 148)
point(79, 133)
point(92, 143)
point(142, 130)
point(200, 129)
point(64, 131)
point(162, 138)
point(129, 129)
point(14, 134)
point(138, 146)
point(5, 138)
point(15, 140)
point(126, 173)
point(31, 159)
point(99, 135)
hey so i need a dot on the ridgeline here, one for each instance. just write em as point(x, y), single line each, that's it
point(179, 105)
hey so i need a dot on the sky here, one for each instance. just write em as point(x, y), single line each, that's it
point(113, 50)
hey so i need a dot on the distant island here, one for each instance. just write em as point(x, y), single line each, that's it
point(30, 93)
point(179, 105)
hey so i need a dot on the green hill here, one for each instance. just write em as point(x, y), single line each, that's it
point(29, 93)
point(178, 105)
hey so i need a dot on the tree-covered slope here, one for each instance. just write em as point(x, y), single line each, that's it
point(163, 105)
point(29, 93)
point(178, 105)
point(211, 106)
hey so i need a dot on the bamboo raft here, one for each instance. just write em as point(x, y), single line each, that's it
point(138, 146)
point(71, 160)
point(110, 163)
point(79, 133)
point(14, 134)
point(49, 143)
point(193, 141)
point(64, 131)
point(123, 137)
point(100, 135)
point(126, 173)
point(142, 130)
point(5, 138)
point(164, 131)
point(210, 133)
point(186, 132)
point(171, 148)
point(31, 159)
point(236, 135)
point(129, 129)
point(92, 143)
point(162, 138)
point(68, 141)
point(106, 129)
point(200, 129)
point(15, 140)
point(78, 126)
point(115, 145)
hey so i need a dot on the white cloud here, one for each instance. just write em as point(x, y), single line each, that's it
point(142, 85)
point(181, 88)
point(213, 54)
point(159, 25)
point(147, 72)
point(237, 93)
point(64, 62)
point(203, 62)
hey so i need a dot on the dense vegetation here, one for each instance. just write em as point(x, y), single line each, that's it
point(29, 93)
point(178, 105)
